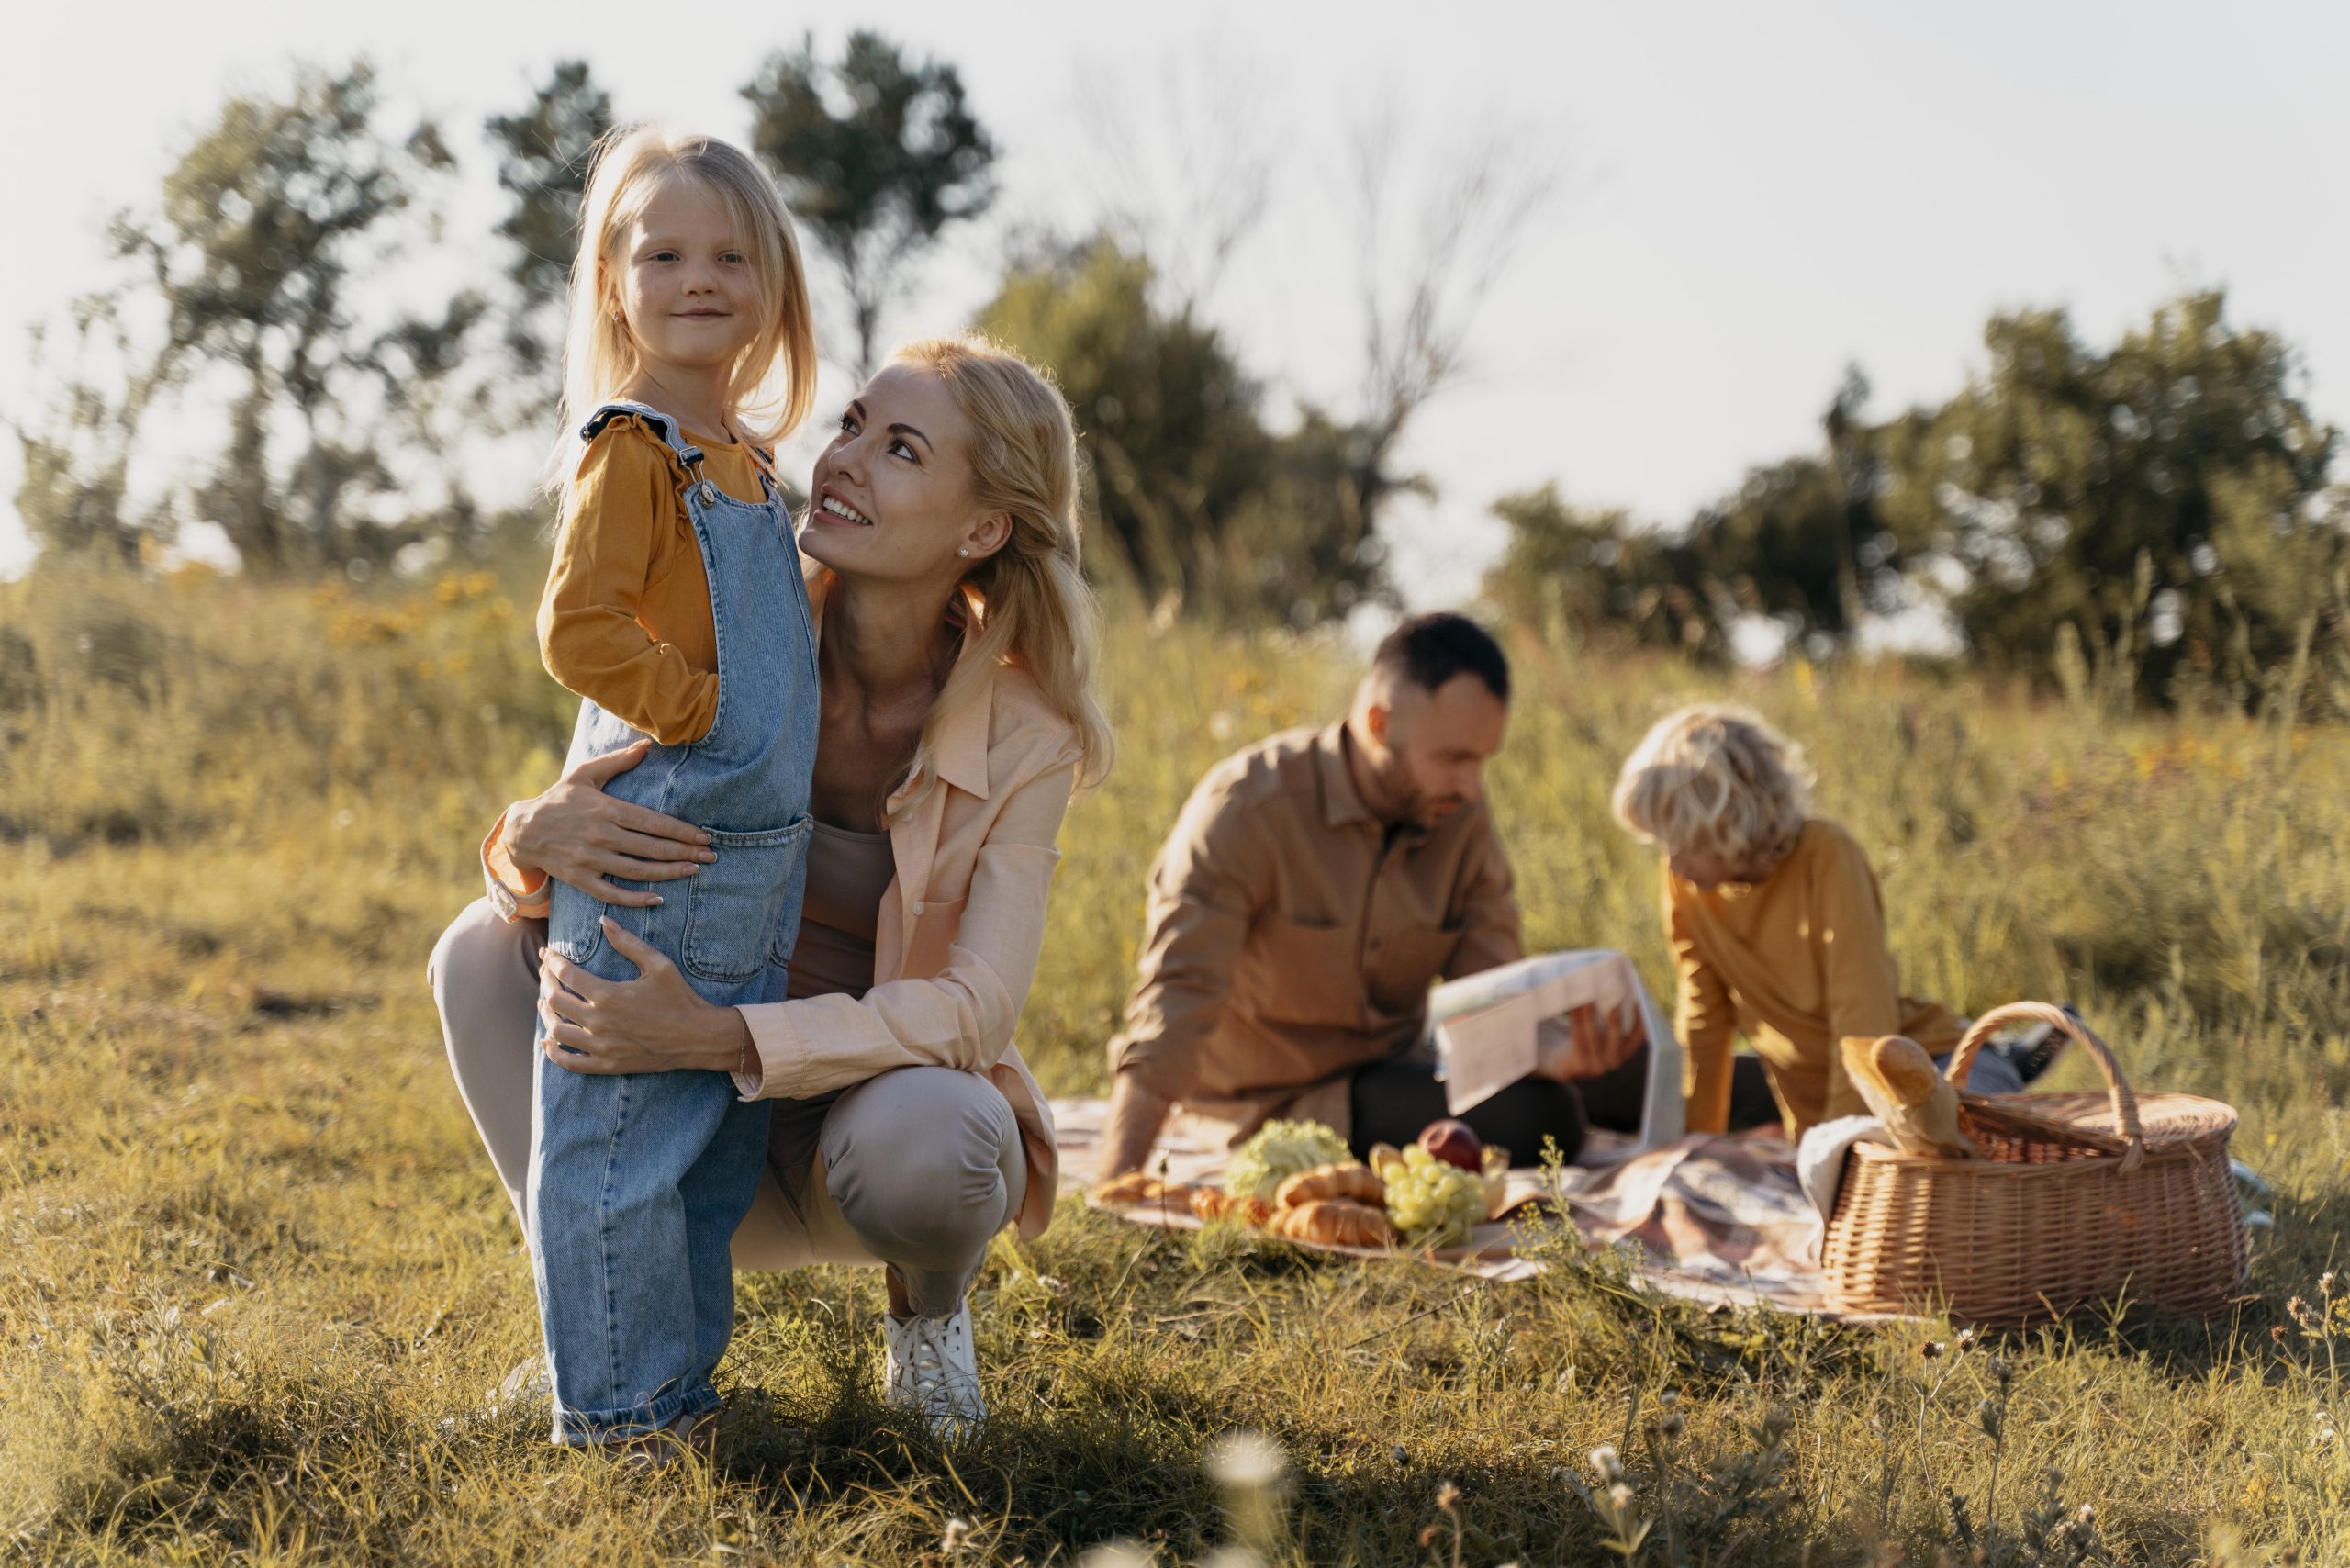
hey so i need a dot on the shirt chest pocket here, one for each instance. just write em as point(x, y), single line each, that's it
point(1404, 962)
point(1303, 973)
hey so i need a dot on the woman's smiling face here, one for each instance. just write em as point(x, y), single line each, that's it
point(891, 498)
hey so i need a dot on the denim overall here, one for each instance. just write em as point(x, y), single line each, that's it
point(638, 1181)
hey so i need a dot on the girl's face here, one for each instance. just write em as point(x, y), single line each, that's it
point(1704, 869)
point(892, 497)
point(682, 282)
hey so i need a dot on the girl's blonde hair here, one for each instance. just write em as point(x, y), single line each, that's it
point(1028, 604)
point(774, 381)
point(1718, 780)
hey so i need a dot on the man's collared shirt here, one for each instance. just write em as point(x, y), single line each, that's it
point(1292, 936)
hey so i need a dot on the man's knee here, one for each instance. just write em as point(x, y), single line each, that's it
point(1528, 1113)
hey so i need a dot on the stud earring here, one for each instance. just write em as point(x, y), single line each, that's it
point(965, 553)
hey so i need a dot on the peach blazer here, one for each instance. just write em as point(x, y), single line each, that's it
point(961, 925)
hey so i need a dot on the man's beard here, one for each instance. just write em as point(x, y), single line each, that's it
point(1405, 801)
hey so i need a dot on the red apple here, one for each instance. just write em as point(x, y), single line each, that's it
point(1455, 1143)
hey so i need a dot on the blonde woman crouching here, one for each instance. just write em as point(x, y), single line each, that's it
point(1776, 924)
point(954, 660)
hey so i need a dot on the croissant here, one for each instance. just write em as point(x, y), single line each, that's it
point(1215, 1203)
point(1918, 1105)
point(1348, 1181)
point(1138, 1187)
point(1335, 1222)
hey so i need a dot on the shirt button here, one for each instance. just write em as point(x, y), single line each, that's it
point(918, 906)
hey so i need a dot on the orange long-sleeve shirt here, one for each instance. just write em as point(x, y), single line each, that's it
point(626, 619)
point(1795, 962)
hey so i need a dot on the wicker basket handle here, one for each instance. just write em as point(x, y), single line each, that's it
point(2125, 1099)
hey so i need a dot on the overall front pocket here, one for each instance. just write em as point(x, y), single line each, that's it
point(737, 914)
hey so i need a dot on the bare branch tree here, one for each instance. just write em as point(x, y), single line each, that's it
point(1471, 206)
point(1181, 165)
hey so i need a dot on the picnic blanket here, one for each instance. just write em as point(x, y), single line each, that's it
point(1722, 1221)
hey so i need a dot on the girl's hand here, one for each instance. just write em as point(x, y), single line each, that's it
point(577, 834)
point(655, 1022)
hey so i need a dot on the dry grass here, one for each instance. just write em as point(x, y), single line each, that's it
point(258, 1278)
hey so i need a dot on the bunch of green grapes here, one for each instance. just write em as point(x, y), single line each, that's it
point(1433, 1203)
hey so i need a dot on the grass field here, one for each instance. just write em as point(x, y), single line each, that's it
point(257, 1277)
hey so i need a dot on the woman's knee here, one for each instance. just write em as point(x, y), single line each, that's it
point(483, 958)
point(921, 1161)
point(483, 972)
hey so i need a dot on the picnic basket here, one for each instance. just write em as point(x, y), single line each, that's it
point(2078, 1199)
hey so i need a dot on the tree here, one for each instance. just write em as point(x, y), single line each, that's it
point(1799, 543)
point(1179, 163)
point(2158, 509)
point(2153, 521)
point(1601, 576)
point(1420, 297)
point(1203, 508)
point(262, 221)
point(1166, 417)
point(877, 156)
point(73, 494)
point(543, 155)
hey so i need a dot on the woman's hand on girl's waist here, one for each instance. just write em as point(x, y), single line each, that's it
point(580, 836)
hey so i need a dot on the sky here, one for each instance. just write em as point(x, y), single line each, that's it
point(1748, 197)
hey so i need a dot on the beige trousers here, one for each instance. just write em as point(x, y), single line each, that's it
point(916, 1169)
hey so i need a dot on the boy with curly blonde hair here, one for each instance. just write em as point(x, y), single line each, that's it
point(1776, 924)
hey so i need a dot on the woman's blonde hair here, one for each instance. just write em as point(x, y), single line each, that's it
point(1028, 604)
point(1718, 780)
point(774, 381)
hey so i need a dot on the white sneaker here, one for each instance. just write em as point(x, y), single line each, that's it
point(934, 1372)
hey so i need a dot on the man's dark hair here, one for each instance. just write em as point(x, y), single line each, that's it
point(1428, 650)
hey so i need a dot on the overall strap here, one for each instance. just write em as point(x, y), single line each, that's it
point(764, 457)
point(660, 424)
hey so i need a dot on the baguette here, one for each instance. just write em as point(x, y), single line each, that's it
point(1918, 1105)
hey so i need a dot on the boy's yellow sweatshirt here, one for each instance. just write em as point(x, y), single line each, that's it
point(626, 619)
point(1795, 962)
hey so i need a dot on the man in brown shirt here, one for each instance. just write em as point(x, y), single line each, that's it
point(1314, 887)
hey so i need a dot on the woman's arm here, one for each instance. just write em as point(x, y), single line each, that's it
point(579, 835)
point(961, 1017)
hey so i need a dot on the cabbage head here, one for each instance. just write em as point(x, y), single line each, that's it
point(1278, 1151)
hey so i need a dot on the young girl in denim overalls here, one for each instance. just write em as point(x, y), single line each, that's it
point(676, 609)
